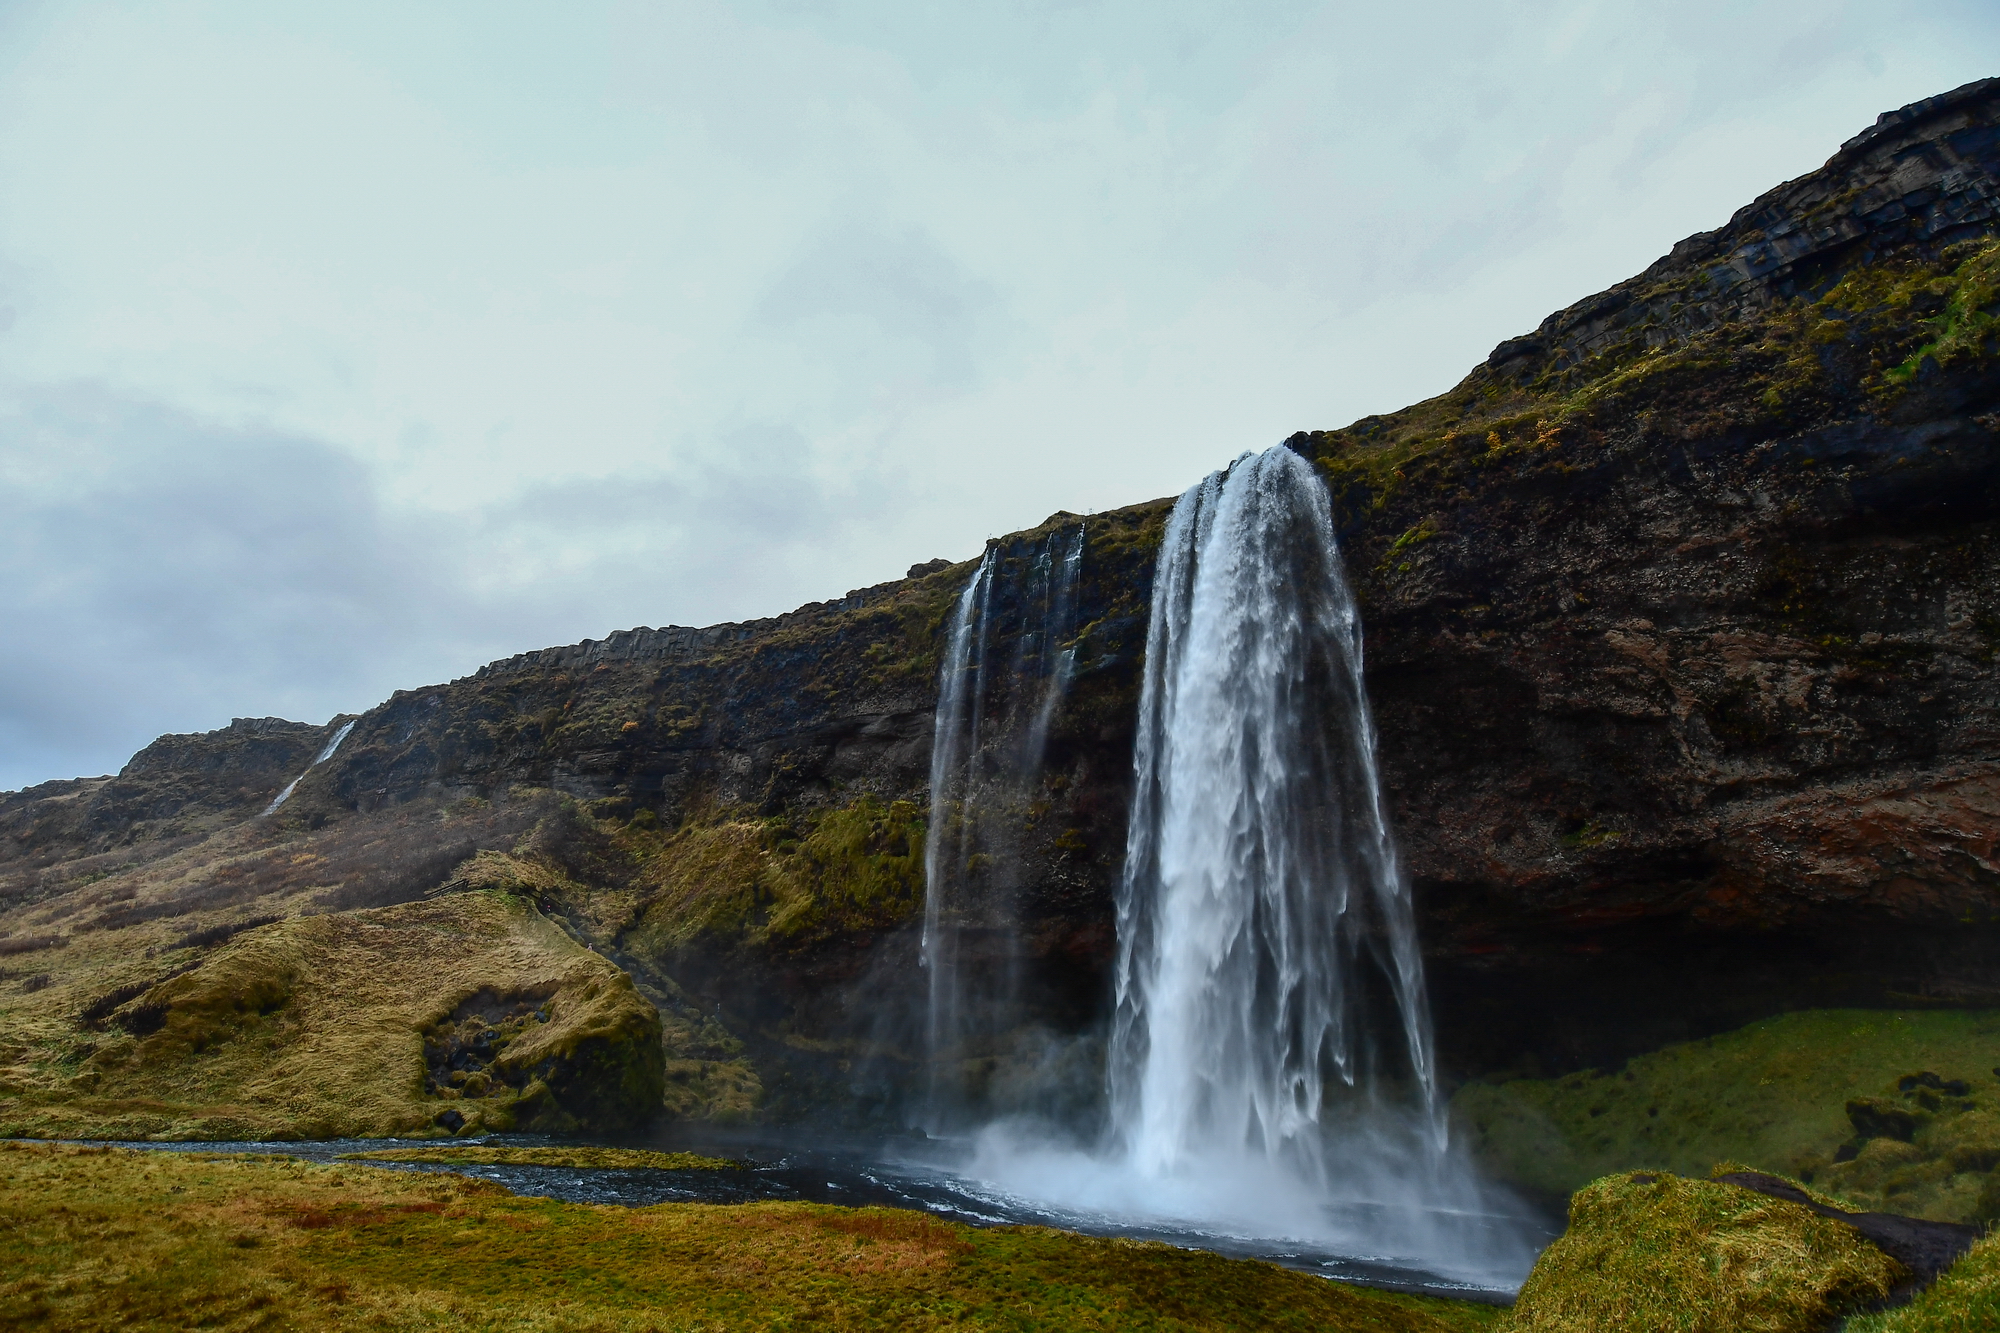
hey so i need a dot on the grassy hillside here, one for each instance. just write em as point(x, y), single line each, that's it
point(1791, 1095)
point(389, 1020)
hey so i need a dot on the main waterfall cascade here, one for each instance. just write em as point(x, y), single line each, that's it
point(994, 719)
point(1270, 1069)
point(1261, 913)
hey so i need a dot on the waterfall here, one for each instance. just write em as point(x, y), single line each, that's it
point(1270, 1070)
point(326, 753)
point(1007, 665)
point(1267, 957)
point(953, 746)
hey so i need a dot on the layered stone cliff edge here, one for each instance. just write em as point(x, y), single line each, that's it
point(1682, 615)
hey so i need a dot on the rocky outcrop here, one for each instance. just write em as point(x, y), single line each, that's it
point(177, 786)
point(1682, 624)
point(1919, 178)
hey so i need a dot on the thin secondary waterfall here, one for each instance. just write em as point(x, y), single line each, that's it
point(326, 753)
point(954, 744)
point(1007, 665)
point(1267, 956)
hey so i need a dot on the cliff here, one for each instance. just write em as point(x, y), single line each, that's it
point(1681, 622)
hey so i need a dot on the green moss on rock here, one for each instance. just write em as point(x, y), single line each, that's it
point(1646, 1252)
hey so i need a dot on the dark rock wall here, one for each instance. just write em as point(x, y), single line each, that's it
point(176, 785)
point(1682, 623)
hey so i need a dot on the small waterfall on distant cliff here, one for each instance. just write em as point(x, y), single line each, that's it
point(1266, 943)
point(995, 713)
point(325, 754)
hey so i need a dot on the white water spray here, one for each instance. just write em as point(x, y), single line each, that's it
point(1270, 1070)
point(326, 753)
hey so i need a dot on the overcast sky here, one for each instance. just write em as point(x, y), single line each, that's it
point(346, 347)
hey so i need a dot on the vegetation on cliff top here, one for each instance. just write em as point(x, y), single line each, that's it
point(101, 1239)
point(1857, 347)
point(1838, 1098)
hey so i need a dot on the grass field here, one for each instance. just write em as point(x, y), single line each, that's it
point(96, 1238)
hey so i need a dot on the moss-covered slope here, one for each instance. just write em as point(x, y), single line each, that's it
point(471, 1011)
point(1892, 1110)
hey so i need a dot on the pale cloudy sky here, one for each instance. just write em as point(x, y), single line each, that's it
point(346, 347)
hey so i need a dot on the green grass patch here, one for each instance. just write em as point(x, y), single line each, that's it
point(106, 1238)
point(1773, 1096)
point(579, 1158)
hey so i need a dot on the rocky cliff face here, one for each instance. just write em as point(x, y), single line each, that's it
point(1682, 622)
point(1681, 618)
point(179, 786)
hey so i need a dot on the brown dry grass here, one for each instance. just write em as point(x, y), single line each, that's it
point(310, 1027)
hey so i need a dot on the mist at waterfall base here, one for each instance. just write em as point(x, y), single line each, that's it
point(1270, 1082)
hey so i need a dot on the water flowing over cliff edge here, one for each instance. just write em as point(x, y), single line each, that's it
point(1270, 1059)
point(1682, 616)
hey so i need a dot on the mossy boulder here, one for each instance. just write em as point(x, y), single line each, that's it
point(1648, 1252)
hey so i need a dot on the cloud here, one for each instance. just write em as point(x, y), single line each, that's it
point(162, 572)
point(886, 311)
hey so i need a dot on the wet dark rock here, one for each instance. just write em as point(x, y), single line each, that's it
point(1874, 1118)
point(1956, 1087)
point(1925, 1248)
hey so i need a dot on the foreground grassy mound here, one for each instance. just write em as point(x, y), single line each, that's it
point(1648, 1252)
point(1965, 1300)
point(97, 1239)
point(1793, 1095)
point(576, 1158)
point(468, 1012)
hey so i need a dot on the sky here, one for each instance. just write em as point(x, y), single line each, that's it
point(344, 348)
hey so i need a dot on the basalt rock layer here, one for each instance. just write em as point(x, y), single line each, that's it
point(1682, 622)
point(1682, 615)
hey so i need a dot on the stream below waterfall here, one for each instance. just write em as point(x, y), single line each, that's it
point(939, 1177)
